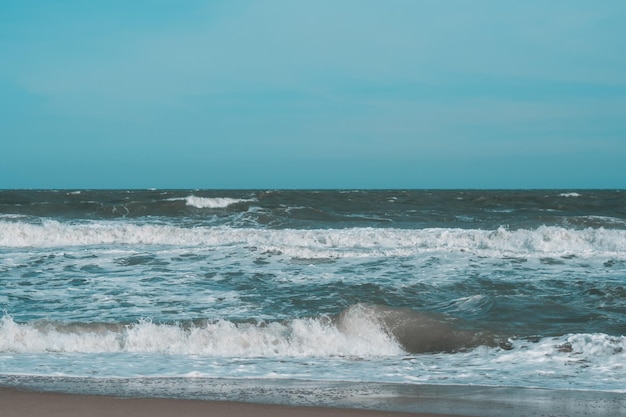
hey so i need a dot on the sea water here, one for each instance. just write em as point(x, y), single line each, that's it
point(489, 288)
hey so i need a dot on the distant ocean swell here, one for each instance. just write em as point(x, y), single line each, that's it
point(322, 209)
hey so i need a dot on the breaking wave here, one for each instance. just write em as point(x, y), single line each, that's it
point(213, 203)
point(359, 336)
point(324, 243)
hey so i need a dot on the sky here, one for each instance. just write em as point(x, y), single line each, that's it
point(313, 94)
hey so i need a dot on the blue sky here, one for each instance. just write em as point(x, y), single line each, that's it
point(313, 94)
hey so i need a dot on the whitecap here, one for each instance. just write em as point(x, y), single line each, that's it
point(306, 337)
point(211, 202)
point(544, 241)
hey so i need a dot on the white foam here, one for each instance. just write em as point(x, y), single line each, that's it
point(567, 354)
point(569, 195)
point(325, 243)
point(297, 338)
point(26, 339)
point(214, 202)
point(574, 361)
point(305, 349)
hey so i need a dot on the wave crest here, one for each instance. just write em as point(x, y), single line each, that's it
point(325, 243)
point(214, 202)
point(315, 337)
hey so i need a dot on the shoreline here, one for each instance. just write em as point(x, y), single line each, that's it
point(258, 398)
point(20, 403)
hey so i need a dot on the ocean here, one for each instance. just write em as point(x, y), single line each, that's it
point(195, 292)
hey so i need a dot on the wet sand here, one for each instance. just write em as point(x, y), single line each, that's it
point(18, 403)
point(297, 399)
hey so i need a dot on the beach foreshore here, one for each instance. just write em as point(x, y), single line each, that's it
point(18, 403)
point(421, 401)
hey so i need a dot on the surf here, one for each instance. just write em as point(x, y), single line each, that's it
point(301, 337)
point(361, 330)
point(322, 243)
point(418, 332)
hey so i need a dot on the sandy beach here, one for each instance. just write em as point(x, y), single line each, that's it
point(18, 403)
point(427, 401)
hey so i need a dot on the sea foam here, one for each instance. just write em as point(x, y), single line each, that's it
point(361, 336)
point(223, 349)
point(213, 202)
point(324, 243)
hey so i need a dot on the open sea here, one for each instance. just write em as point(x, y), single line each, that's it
point(183, 292)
